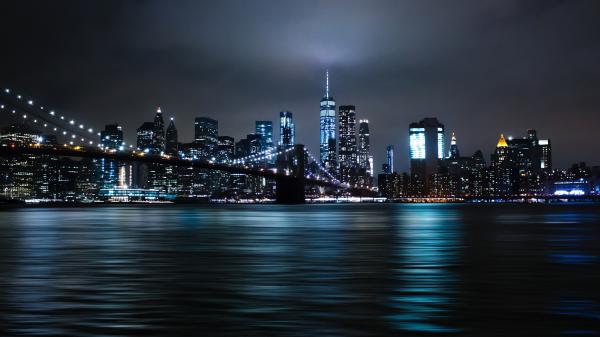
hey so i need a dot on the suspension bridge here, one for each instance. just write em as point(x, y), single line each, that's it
point(80, 139)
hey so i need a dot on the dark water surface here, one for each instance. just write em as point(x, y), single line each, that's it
point(312, 270)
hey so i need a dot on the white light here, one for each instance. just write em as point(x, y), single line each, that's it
point(19, 96)
point(7, 91)
point(45, 125)
point(54, 129)
point(71, 143)
point(72, 136)
point(98, 133)
point(62, 117)
point(52, 113)
point(71, 122)
point(1, 106)
point(24, 116)
point(90, 130)
point(91, 142)
point(64, 132)
point(81, 126)
point(30, 102)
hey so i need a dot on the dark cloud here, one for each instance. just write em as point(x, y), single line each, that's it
point(482, 67)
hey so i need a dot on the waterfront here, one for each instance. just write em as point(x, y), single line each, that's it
point(305, 270)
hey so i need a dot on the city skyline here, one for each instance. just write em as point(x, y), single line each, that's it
point(500, 82)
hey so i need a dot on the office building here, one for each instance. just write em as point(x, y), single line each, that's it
point(327, 130)
point(171, 139)
point(348, 155)
point(112, 137)
point(426, 140)
point(287, 129)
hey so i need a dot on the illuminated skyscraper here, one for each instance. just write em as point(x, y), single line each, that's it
point(327, 139)
point(145, 137)
point(426, 140)
point(388, 167)
point(112, 136)
point(206, 133)
point(265, 130)
point(365, 160)
point(158, 137)
point(453, 152)
point(348, 156)
point(287, 130)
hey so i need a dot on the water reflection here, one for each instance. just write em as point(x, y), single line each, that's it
point(428, 245)
point(314, 270)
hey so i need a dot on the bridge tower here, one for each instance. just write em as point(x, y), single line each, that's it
point(290, 188)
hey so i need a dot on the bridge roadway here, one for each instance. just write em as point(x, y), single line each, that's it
point(290, 188)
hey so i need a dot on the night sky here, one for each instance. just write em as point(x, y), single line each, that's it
point(482, 66)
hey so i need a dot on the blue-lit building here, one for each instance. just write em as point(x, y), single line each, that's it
point(265, 130)
point(287, 130)
point(388, 167)
point(426, 139)
point(327, 127)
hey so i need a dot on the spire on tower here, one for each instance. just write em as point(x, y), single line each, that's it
point(158, 111)
point(326, 83)
point(453, 139)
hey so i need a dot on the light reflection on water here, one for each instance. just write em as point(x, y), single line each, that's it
point(313, 270)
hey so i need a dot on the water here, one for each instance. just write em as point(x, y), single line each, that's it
point(311, 270)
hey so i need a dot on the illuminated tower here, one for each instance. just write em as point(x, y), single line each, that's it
point(287, 129)
point(347, 152)
point(453, 152)
point(158, 140)
point(327, 140)
point(365, 161)
point(388, 167)
point(426, 139)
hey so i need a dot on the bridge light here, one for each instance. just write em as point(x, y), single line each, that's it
point(90, 130)
point(30, 102)
point(41, 108)
point(71, 122)
point(81, 126)
point(98, 133)
point(71, 143)
point(52, 113)
point(62, 117)
point(7, 91)
point(2, 106)
point(45, 125)
point(121, 148)
point(72, 136)
point(54, 129)
point(25, 116)
point(35, 120)
point(91, 142)
point(18, 96)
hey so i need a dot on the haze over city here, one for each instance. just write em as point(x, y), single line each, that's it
point(481, 67)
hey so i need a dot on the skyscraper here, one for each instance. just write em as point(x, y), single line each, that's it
point(287, 130)
point(265, 130)
point(348, 156)
point(206, 133)
point(453, 152)
point(112, 136)
point(426, 140)
point(388, 167)
point(145, 137)
point(365, 161)
point(158, 137)
point(327, 139)
point(171, 139)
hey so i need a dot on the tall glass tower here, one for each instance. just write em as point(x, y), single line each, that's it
point(287, 130)
point(327, 140)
